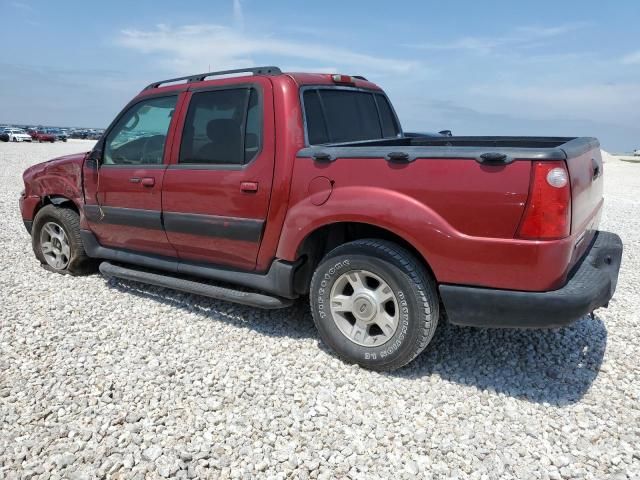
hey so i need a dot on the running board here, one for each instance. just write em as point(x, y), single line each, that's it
point(219, 293)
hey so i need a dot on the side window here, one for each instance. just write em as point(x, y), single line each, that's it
point(222, 127)
point(387, 118)
point(139, 136)
point(253, 131)
point(316, 126)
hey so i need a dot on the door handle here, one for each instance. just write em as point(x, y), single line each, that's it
point(148, 181)
point(249, 187)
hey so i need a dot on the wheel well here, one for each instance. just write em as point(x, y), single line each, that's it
point(58, 201)
point(321, 241)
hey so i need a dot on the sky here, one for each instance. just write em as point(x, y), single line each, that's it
point(561, 68)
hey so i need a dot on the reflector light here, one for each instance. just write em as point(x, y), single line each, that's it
point(557, 177)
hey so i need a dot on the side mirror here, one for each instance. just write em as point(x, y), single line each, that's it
point(94, 159)
point(446, 133)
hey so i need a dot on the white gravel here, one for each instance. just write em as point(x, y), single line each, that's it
point(118, 380)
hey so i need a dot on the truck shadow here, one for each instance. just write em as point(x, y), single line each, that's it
point(295, 322)
point(554, 366)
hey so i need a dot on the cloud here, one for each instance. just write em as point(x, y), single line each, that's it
point(631, 58)
point(519, 37)
point(238, 15)
point(193, 47)
point(25, 7)
point(611, 102)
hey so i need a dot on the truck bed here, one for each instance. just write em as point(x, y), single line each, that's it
point(533, 148)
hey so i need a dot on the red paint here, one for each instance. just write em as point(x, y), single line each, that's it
point(41, 136)
point(461, 216)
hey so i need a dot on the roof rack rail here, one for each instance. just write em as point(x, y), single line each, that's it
point(269, 70)
point(360, 77)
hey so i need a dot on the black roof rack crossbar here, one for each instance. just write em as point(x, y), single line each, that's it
point(360, 77)
point(269, 70)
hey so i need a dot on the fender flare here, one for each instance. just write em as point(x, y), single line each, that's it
point(396, 212)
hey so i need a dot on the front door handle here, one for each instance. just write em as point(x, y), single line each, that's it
point(148, 181)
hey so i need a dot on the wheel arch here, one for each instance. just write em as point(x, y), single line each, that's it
point(328, 236)
point(58, 201)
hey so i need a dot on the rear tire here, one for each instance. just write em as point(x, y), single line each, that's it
point(374, 304)
point(56, 242)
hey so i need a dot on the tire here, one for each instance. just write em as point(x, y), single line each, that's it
point(15, 139)
point(68, 221)
point(414, 303)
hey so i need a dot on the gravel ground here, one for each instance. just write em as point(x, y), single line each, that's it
point(108, 379)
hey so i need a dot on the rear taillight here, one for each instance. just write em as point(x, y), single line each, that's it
point(547, 215)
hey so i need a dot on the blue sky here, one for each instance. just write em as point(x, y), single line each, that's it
point(477, 68)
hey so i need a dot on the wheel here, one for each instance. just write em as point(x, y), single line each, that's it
point(15, 139)
point(56, 241)
point(374, 304)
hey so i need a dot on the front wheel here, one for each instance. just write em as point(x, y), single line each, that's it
point(56, 241)
point(374, 304)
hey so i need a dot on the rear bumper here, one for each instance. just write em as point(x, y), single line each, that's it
point(591, 285)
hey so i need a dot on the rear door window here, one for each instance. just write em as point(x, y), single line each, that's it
point(222, 127)
point(337, 115)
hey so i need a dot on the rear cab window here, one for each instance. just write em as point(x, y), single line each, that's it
point(337, 115)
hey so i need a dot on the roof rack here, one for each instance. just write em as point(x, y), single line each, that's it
point(360, 77)
point(269, 70)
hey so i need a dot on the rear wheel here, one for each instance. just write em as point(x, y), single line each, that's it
point(374, 304)
point(56, 241)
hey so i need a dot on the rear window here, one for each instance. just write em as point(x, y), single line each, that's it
point(335, 116)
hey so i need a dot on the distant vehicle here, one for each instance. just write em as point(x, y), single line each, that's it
point(60, 134)
point(15, 135)
point(41, 135)
point(636, 152)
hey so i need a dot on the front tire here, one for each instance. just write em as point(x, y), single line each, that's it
point(374, 304)
point(56, 241)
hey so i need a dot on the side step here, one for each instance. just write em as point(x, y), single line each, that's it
point(245, 298)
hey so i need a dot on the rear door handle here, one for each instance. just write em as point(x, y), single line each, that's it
point(249, 187)
point(148, 181)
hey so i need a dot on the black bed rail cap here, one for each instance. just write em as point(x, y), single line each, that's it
point(267, 70)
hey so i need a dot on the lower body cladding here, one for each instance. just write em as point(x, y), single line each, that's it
point(591, 285)
point(277, 281)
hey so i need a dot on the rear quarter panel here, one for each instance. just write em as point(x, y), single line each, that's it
point(460, 215)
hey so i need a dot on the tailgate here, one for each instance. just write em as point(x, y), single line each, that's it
point(586, 175)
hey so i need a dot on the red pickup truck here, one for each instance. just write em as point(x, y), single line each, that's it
point(295, 184)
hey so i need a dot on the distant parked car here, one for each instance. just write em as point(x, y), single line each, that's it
point(60, 134)
point(42, 136)
point(636, 152)
point(15, 135)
